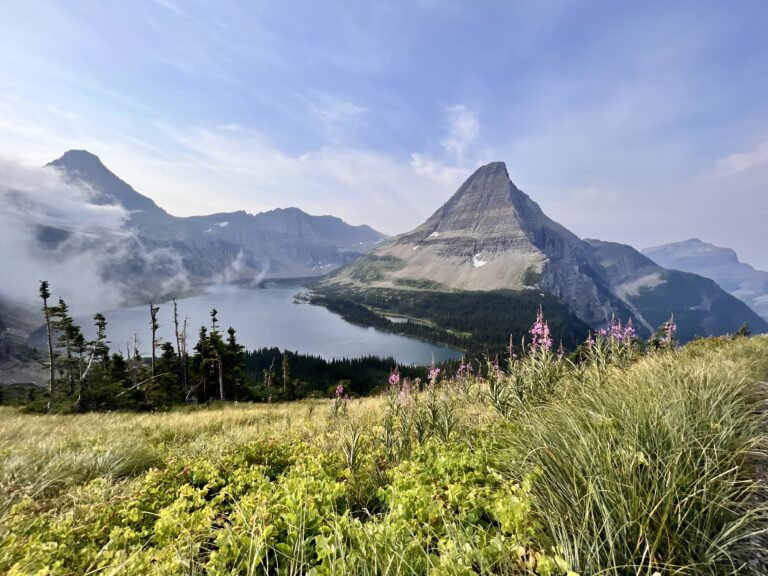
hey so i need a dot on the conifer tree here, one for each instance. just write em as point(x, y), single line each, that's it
point(68, 336)
point(44, 295)
point(235, 362)
point(217, 348)
point(201, 364)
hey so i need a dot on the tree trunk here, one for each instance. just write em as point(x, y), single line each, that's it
point(50, 353)
point(221, 374)
point(153, 323)
point(181, 347)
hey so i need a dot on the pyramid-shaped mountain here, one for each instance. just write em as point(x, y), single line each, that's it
point(491, 236)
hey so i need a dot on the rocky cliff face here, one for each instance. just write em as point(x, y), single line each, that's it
point(721, 265)
point(490, 236)
point(225, 246)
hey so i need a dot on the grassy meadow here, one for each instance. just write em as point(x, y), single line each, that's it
point(626, 463)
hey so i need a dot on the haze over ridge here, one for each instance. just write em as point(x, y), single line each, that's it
point(379, 122)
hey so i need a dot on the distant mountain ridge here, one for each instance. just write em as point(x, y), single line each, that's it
point(721, 265)
point(225, 246)
point(491, 236)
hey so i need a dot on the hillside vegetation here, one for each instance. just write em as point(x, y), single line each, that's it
point(476, 322)
point(625, 463)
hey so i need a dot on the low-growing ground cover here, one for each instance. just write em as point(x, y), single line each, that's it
point(626, 463)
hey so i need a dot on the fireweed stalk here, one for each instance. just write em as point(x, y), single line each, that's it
point(339, 405)
point(529, 379)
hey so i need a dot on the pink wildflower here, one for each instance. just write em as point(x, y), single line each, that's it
point(629, 332)
point(394, 378)
point(540, 333)
point(670, 329)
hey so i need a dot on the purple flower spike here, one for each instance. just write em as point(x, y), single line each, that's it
point(394, 378)
point(540, 333)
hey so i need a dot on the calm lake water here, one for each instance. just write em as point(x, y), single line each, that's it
point(269, 317)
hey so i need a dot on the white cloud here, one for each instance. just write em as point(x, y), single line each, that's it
point(742, 161)
point(337, 115)
point(463, 129)
point(438, 171)
point(50, 229)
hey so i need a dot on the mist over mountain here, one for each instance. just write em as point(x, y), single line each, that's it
point(721, 265)
point(93, 236)
point(491, 236)
point(228, 246)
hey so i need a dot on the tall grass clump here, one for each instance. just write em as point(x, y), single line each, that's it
point(649, 470)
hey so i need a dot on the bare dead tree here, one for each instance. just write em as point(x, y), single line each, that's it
point(221, 373)
point(134, 359)
point(269, 373)
point(184, 375)
point(153, 310)
point(181, 345)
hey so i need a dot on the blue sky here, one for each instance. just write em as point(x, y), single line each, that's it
point(640, 122)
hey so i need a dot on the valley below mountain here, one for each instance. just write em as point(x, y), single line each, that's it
point(472, 276)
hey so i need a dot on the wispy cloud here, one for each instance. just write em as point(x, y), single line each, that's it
point(463, 129)
point(741, 161)
point(327, 105)
point(360, 185)
point(338, 116)
point(172, 6)
point(50, 228)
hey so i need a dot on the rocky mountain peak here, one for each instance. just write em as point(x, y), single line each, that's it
point(87, 167)
point(80, 160)
point(487, 188)
point(691, 250)
point(489, 208)
point(718, 263)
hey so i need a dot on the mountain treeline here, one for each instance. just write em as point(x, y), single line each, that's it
point(288, 375)
point(85, 374)
point(480, 323)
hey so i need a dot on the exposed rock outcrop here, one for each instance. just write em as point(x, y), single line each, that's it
point(490, 236)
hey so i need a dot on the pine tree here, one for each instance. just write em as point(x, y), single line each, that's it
point(44, 295)
point(286, 371)
point(217, 347)
point(200, 364)
point(235, 365)
point(166, 390)
point(69, 336)
point(99, 355)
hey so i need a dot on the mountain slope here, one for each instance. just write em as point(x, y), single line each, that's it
point(721, 265)
point(226, 246)
point(653, 293)
point(491, 236)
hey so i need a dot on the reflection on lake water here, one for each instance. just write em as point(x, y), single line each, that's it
point(270, 317)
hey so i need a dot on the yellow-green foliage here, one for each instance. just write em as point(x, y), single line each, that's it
point(252, 490)
point(432, 482)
